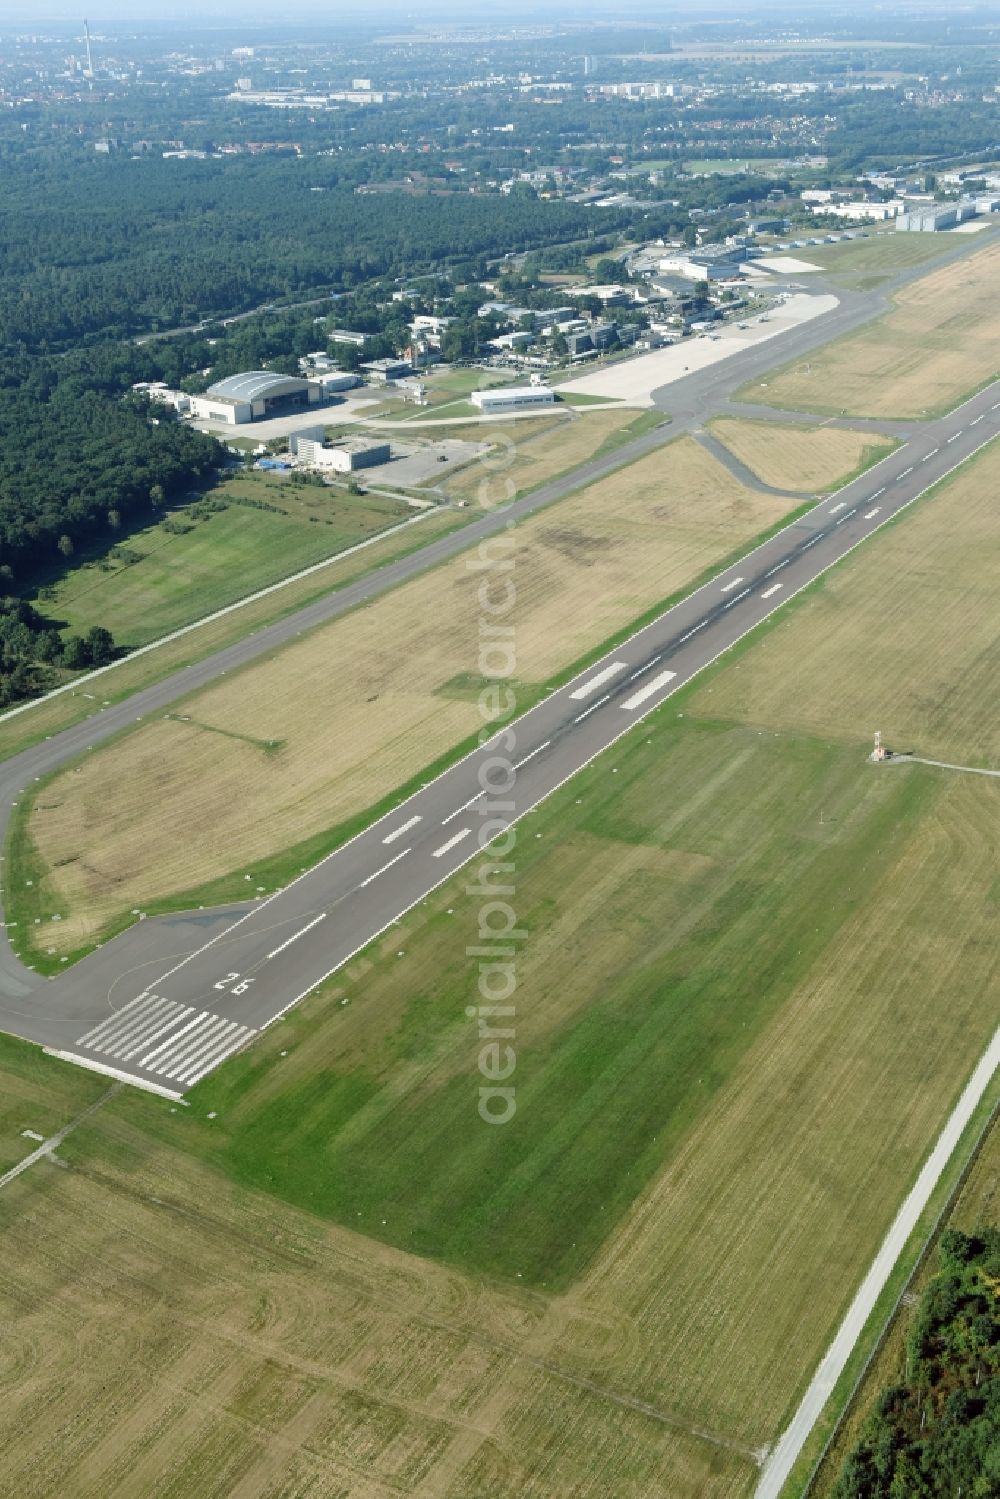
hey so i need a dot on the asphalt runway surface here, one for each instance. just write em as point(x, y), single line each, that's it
point(173, 997)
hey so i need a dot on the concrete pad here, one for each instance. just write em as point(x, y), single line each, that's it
point(786, 265)
point(634, 380)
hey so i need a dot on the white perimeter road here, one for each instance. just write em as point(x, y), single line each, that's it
point(779, 1465)
point(634, 380)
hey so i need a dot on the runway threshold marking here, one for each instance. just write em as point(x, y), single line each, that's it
point(367, 881)
point(315, 922)
point(727, 587)
point(660, 680)
point(398, 832)
point(599, 680)
point(774, 588)
point(439, 852)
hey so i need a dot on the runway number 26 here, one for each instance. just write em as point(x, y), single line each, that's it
point(234, 988)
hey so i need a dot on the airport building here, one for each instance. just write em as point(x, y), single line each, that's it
point(513, 398)
point(253, 396)
point(342, 457)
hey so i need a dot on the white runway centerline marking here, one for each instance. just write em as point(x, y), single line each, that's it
point(693, 632)
point(930, 454)
point(367, 881)
point(398, 832)
point(878, 492)
point(727, 587)
point(904, 473)
point(813, 542)
point(777, 567)
point(531, 755)
point(774, 588)
point(438, 852)
point(976, 420)
point(587, 711)
point(660, 680)
point(955, 437)
point(600, 679)
point(648, 667)
point(315, 922)
point(737, 598)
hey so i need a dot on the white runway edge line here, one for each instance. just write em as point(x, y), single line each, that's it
point(445, 847)
point(781, 1461)
point(660, 680)
point(208, 619)
point(315, 922)
point(404, 828)
point(599, 680)
point(368, 940)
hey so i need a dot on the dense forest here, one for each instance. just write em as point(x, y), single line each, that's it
point(938, 1432)
point(97, 249)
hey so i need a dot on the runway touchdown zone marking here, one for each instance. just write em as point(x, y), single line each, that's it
point(599, 680)
point(660, 680)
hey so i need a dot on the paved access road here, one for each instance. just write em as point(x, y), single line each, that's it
point(173, 997)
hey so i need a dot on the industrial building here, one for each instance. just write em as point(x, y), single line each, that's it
point(945, 215)
point(254, 395)
point(513, 398)
point(342, 457)
point(385, 371)
point(710, 264)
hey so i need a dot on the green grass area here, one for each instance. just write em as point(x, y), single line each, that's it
point(39, 1094)
point(158, 580)
point(627, 1020)
point(646, 421)
point(884, 252)
point(47, 716)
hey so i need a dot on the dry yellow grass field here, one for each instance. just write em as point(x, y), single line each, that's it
point(529, 453)
point(359, 706)
point(167, 1335)
point(48, 717)
point(802, 459)
point(937, 345)
point(754, 1238)
point(858, 654)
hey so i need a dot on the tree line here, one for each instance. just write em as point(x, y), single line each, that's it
point(937, 1431)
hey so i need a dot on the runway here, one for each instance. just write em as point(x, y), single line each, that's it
point(173, 997)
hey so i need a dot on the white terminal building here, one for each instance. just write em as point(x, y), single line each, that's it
point(512, 398)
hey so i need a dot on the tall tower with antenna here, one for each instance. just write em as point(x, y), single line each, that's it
point(89, 70)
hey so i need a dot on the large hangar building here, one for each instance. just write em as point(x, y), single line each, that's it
point(255, 395)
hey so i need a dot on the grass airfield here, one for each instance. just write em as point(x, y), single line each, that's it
point(751, 989)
